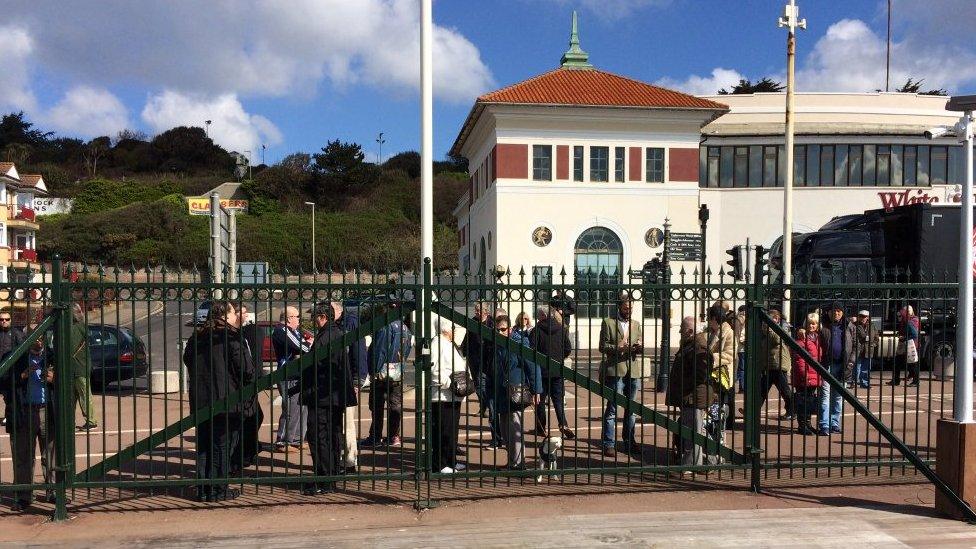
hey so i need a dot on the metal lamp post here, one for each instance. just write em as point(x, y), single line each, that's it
point(791, 20)
point(312, 204)
point(962, 408)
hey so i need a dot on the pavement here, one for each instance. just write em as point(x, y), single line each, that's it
point(854, 515)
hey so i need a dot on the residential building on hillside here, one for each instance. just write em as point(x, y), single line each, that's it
point(18, 228)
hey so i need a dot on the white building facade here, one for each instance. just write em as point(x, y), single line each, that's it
point(562, 183)
point(576, 171)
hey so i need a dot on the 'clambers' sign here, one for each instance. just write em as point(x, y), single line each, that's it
point(200, 205)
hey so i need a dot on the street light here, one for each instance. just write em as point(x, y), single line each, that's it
point(791, 20)
point(312, 204)
point(962, 401)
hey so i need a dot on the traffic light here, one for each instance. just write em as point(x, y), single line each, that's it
point(737, 262)
point(762, 263)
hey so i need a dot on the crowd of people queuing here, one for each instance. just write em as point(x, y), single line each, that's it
point(704, 376)
point(319, 402)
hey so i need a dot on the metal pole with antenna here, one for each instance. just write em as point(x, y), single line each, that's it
point(379, 156)
point(791, 21)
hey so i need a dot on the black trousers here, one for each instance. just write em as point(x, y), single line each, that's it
point(777, 378)
point(554, 389)
point(901, 363)
point(247, 450)
point(444, 434)
point(388, 394)
point(324, 434)
point(217, 440)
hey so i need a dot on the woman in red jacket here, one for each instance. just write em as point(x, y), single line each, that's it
point(806, 379)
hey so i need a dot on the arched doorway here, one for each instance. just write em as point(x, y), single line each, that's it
point(598, 259)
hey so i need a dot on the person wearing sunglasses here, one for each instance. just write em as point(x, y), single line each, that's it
point(10, 338)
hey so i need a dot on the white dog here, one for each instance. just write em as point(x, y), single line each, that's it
point(548, 455)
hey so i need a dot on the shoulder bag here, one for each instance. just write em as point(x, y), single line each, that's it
point(461, 384)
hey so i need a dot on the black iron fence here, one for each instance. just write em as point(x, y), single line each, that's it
point(153, 388)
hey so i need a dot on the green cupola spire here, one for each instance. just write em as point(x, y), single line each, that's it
point(575, 58)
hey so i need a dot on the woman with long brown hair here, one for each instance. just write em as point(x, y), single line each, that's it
point(215, 357)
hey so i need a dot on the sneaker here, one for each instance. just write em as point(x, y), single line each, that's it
point(865, 385)
point(835, 430)
point(19, 506)
point(913, 384)
point(460, 467)
point(609, 452)
point(806, 430)
point(446, 471)
point(893, 383)
point(787, 417)
point(823, 432)
point(369, 442)
point(88, 426)
point(568, 433)
point(395, 442)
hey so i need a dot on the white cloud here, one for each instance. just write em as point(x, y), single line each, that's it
point(88, 112)
point(704, 85)
point(851, 57)
point(16, 47)
point(232, 127)
point(253, 48)
point(612, 10)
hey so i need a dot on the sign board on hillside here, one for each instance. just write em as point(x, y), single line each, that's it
point(50, 205)
point(200, 205)
point(232, 199)
point(685, 247)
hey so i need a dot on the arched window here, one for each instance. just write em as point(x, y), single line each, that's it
point(598, 259)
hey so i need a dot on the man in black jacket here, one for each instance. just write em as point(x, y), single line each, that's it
point(215, 359)
point(550, 338)
point(10, 338)
point(31, 421)
point(478, 355)
point(252, 339)
point(327, 389)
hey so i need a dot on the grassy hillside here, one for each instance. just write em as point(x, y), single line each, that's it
point(146, 221)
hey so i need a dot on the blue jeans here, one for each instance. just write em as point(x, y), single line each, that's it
point(627, 386)
point(862, 372)
point(831, 402)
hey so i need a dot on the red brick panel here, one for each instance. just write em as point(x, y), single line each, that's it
point(636, 165)
point(562, 162)
point(683, 165)
point(511, 161)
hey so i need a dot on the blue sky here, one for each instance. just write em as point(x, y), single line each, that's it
point(326, 69)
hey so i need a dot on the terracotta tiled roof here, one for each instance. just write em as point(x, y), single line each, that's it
point(30, 180)
point(5, 166)
point(585, 88)
point(594, 88)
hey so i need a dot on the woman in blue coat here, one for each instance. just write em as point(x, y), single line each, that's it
point(512, 370)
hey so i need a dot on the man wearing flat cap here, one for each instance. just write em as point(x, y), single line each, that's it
point(864, 340)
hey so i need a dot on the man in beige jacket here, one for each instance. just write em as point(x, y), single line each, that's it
point(621, 346)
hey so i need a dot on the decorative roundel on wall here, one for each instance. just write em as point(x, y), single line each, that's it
point(541, 236)
point(654, 237)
